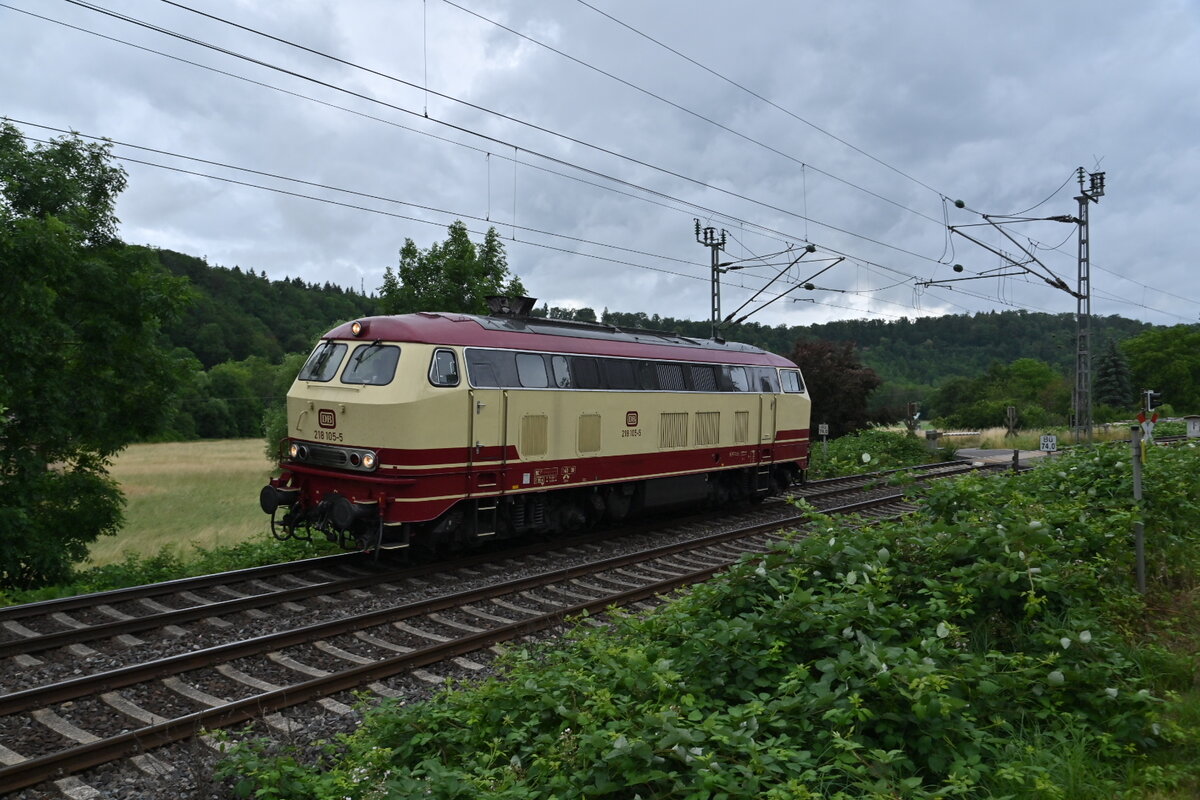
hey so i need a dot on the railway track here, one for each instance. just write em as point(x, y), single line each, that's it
point(61, 719)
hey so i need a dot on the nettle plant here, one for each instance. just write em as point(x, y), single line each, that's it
point(966, 651)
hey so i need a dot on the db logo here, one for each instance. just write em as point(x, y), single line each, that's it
point(326, 418)
point(631, 419)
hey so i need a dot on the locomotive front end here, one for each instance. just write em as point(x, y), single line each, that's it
point(354, 418)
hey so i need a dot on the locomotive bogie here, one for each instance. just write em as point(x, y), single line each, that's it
point(453, 428)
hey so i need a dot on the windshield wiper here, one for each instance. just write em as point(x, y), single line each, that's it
point(361, 354)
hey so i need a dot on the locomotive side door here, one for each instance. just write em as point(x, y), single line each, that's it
point(766, 441)
point(487, 457)
point(487, 444)
point(766, 420)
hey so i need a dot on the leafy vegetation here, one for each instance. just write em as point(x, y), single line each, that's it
point(1041, 396)
point(236, 314)
point(81, 370)
point(868, 450)
point(991, 646)
point(452, 276)
point(1168, 360)
point(838, 384)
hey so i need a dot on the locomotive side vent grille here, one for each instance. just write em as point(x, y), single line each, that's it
point(673, 430)
point(708, 427)
point(741, 427)
point(589, 433)
point(534, 435)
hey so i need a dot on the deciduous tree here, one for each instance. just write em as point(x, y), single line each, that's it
point(837, 382)
point(454, 275)
point(1168, 361)
point(81, 370)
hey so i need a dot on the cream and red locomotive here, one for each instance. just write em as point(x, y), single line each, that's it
point(439, 429)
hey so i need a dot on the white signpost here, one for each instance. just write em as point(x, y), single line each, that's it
point(1049, 443)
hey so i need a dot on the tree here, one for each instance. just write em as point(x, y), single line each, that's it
point(1167, 360)
point(81, 370)
point(1040, 394)
point(837, 382)
point(1114, 382)
point(452, 276)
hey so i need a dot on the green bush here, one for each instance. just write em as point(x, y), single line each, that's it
point(976, 649)
point(867, 451)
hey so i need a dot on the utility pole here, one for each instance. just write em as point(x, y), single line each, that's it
point(710, 240)
point(1083, 308)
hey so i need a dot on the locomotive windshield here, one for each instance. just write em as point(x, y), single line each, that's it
point(373, 364)
point(323, 364)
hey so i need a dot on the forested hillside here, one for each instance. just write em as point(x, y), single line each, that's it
point(237, 314)
point(926, 350)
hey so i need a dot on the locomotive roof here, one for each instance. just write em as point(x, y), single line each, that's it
point(539, 333)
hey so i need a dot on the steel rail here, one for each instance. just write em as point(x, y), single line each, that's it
point(75, 759)
point(179, 584)
point(74, 688)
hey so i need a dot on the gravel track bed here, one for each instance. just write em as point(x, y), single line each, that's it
point(214, 683)
point(39, 625)
point(96, 717)
point(314, 657)
point(24, 735)
point(352, 644)
point(157, 699)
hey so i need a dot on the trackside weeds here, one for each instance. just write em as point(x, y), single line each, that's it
point(983, 647)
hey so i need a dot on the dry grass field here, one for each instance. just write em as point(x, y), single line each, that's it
point(184, 493)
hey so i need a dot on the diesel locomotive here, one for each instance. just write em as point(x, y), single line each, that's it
point(440, 429)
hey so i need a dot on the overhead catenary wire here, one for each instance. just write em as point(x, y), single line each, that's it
point(363, 96)
point(758, 96)
point(652, 192)
point(722, 215)
point(684, 109)
point(329, 187)
point(553, 248)
point(356, 207)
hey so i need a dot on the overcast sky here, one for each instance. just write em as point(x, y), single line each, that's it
point(591, 135)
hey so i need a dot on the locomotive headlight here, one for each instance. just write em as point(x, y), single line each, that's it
point(358, 327)
point(368, 460)
point(294, 450)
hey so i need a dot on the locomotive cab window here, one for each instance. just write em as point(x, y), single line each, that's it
point(372, 364)
point(734, 379)
point(443, 368)
point(531, 368)
point(792, 382)
point(491, 368)
point(562, 372)
point(323, 364)
point(766, 379)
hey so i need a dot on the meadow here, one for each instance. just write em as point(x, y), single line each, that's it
point(187, 493)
